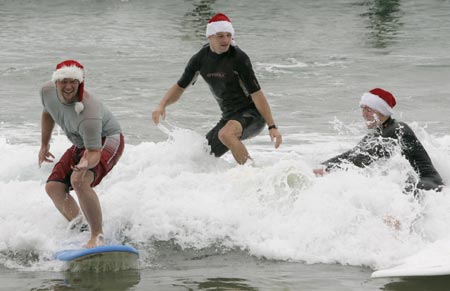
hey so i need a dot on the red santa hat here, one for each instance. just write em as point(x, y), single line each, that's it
point(379, 100)
point(71, 69)
point(219, 23)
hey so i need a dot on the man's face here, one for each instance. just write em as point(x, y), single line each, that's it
point(67, 90)
point(220, 42)
point(371, 116)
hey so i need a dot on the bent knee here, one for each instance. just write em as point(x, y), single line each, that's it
point(81, 181)
point(223, 136)
point(55, 188)
point(231, 131)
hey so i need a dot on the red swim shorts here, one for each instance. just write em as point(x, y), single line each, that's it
point(111, 152)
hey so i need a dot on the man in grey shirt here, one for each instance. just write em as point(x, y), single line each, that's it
point(97, 146)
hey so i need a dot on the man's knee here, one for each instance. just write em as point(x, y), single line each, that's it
point(55, 189)
point(223, 135)
point(231, 131)
point(81, 181)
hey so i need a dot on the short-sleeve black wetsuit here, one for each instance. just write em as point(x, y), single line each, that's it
point(231, 79)
point(380, 143)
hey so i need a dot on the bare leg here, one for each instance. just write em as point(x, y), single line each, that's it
point(230, 136)
point(63, 201)
point(90, 205)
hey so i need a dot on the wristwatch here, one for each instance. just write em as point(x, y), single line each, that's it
point(272, 126)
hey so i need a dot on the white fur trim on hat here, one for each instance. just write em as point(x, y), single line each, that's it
point(219, 26)
point(71, 72)
point(375, 102)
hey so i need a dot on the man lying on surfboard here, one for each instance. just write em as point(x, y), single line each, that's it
point(97, 145)
point(386, 132)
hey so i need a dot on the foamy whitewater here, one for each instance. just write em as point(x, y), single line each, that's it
point(273, 208)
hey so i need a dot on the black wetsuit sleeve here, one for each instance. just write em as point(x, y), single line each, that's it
point(246, 74)
point(368, 150)
point(190, 72)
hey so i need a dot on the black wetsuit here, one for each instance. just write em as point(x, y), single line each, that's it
point(380, 144)
point(231, 80)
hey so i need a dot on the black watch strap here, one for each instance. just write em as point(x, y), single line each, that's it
point(272, 126)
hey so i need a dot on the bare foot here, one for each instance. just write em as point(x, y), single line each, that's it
point(95, 241)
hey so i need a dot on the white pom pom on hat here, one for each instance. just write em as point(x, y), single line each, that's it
point(79, 107)
point(71, 69)
point(380, 100)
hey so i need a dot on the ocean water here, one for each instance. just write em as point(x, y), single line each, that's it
point(202, 223)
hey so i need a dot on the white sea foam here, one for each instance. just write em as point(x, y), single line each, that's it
point(275, 208)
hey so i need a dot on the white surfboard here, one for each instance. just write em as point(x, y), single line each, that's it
point(429, 261)
point(404, 271)
point(100, 259)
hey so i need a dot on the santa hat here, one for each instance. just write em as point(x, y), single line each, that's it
point(380, 100)
point(71, 69)
point(219, 23)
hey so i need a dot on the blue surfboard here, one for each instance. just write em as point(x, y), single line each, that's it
point(101, 258)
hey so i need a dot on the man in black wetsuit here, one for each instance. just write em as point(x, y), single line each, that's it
point(229, 74)
point(386, 133)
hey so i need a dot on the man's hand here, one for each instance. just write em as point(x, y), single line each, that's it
point(319, 172)
point(80, 170)
point(275, 135)
point(81, 166)
point(89, 160)
point(45, 155)
point(157, 113)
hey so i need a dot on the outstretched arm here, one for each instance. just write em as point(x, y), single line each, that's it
point(47, 125)
point(348, 156)
point(172, 96)
point(263, 107)
point(368, 150)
